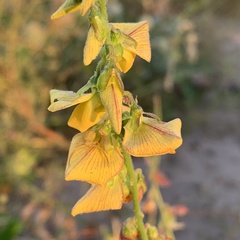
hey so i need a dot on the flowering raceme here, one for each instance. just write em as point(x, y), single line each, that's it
point(95, 154)
point(111, 125)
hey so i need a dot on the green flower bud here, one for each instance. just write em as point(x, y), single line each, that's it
point(129, 230)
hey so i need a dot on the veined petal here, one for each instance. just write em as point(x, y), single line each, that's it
point(100, 198)
point(63, 99)
point(125, 62)
point(152, 137)
point(86, 4)
point(140, 33)
point(87, 114)
point(90, 162)
point(92, 47)
point(112, 101)
point(67, 7)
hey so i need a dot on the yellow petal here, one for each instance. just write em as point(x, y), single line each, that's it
point(86, 4)
point(100, 198)
point(140, 33)
point(67, 7)
point(152, 137)
point(112, 101)
point(64, 99)
point(91, 48)
point(87, 114)
point(90, 162)
point(125, 62)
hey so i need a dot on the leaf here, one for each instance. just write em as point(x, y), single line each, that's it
point(100, 198)
point(152, 137)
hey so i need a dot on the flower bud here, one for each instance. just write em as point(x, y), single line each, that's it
point(129, 230)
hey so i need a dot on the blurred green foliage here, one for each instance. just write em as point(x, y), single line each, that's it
point(37, 54)
point(9, 227)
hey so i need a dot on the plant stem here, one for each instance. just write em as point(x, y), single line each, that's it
point(103, 9)
point(134, 191)
point(162, 207)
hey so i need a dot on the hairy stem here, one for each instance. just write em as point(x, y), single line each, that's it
point(134, 191)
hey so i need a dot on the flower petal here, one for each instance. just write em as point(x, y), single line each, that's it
point(100, 198)
point(92, 47)
point(125, 62)
point(112, 101)
point(140, 33)
point(63, 99)
point(67, 7)
point(152, 137)
point(88, 161)
point(87, 114)
point(86, 4)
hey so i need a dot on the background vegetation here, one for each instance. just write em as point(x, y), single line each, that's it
point(194, 69)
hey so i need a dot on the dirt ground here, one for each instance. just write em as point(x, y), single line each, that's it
point(205, 172)
point(205, 177)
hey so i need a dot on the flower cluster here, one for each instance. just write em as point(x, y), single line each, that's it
point(109, 120)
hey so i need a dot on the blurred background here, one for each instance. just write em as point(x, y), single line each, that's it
point(195, 74)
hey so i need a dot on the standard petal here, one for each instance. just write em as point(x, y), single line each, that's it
point(91, 48)
point(112, 101)
point(152, 137)
point(87, 114)
point(140, 33)
point(100, 198)
point(91, 163)
point(67, 7)
point(64, 99)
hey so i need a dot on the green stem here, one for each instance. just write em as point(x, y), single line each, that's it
point(103, 9)
point(155, 192)
point(162, 206)
point(134, 191)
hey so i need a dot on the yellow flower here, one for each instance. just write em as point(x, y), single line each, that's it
point(128, 40)
point(110, 87)
point(70, 6)
point(101, 198)
point(135, 41)
point(88, 112)
point(146, 136)
point(93, 158)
